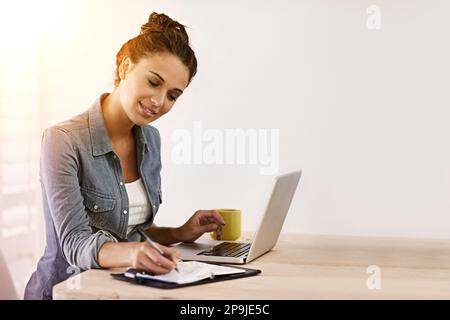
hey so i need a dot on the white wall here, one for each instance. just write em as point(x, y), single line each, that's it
point(362, 112)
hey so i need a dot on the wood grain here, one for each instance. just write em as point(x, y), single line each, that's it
point(305, 267)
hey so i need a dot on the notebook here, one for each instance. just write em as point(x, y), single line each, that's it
point(190, 273)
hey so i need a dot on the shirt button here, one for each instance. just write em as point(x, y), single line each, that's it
point(95, 207)
point(121, 183)
point(125, 211)
point(154, 207)
point(114, 156)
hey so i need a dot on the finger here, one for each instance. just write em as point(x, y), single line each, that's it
point(206, 218)
point(210, 216)
point(159, 260)
point(219, 233)
point(208, 227)
point(171, 253)
point(168, 251)
point(216, 215)
point(212, 220)
point(166, 262)
point(148, 265)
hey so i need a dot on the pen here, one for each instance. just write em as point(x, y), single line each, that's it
point(153, 245)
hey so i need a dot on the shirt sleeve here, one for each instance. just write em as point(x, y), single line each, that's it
point(59, 178)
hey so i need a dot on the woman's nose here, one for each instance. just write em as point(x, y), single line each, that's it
point(157, 101)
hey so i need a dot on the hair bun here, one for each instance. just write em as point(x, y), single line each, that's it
point(159, 22)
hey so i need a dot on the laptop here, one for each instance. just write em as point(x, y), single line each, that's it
point(266, 237)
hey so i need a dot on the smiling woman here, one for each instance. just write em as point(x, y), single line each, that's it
point(100, 170)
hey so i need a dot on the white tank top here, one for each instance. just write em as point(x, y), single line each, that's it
point(139, 206)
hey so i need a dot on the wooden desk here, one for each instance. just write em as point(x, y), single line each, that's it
point(305, 267)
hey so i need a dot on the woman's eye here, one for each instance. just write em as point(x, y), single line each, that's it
point(153, 84)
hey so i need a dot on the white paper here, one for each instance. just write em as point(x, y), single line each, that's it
point(191, 271)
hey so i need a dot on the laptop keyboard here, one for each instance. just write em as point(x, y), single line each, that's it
point(227, 249)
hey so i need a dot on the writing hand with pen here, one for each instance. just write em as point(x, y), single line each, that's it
point(154, 258)
point(159, 259)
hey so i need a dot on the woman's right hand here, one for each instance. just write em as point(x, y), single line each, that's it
point(146, 258)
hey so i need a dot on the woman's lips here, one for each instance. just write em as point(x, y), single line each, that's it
point(146, 111)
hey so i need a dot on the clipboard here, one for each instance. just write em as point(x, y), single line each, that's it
point(167, 285)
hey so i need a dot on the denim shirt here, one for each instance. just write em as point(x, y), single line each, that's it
point(84, 195)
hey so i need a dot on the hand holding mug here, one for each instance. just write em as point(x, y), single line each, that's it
point(232, 229)
point(201, 221)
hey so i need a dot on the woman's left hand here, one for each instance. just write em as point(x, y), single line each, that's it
point(201, 221)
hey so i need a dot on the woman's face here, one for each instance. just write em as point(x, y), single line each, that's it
point(149, 88)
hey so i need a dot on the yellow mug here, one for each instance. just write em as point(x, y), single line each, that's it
point(232, 229)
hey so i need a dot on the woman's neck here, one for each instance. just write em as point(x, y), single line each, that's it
point(117, 123)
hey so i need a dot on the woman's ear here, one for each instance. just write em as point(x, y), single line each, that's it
point(124, 67)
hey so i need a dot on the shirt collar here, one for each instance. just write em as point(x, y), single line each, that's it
point(99, 134)
point(139, 136)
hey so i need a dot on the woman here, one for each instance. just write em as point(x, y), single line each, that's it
point(100, 171)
